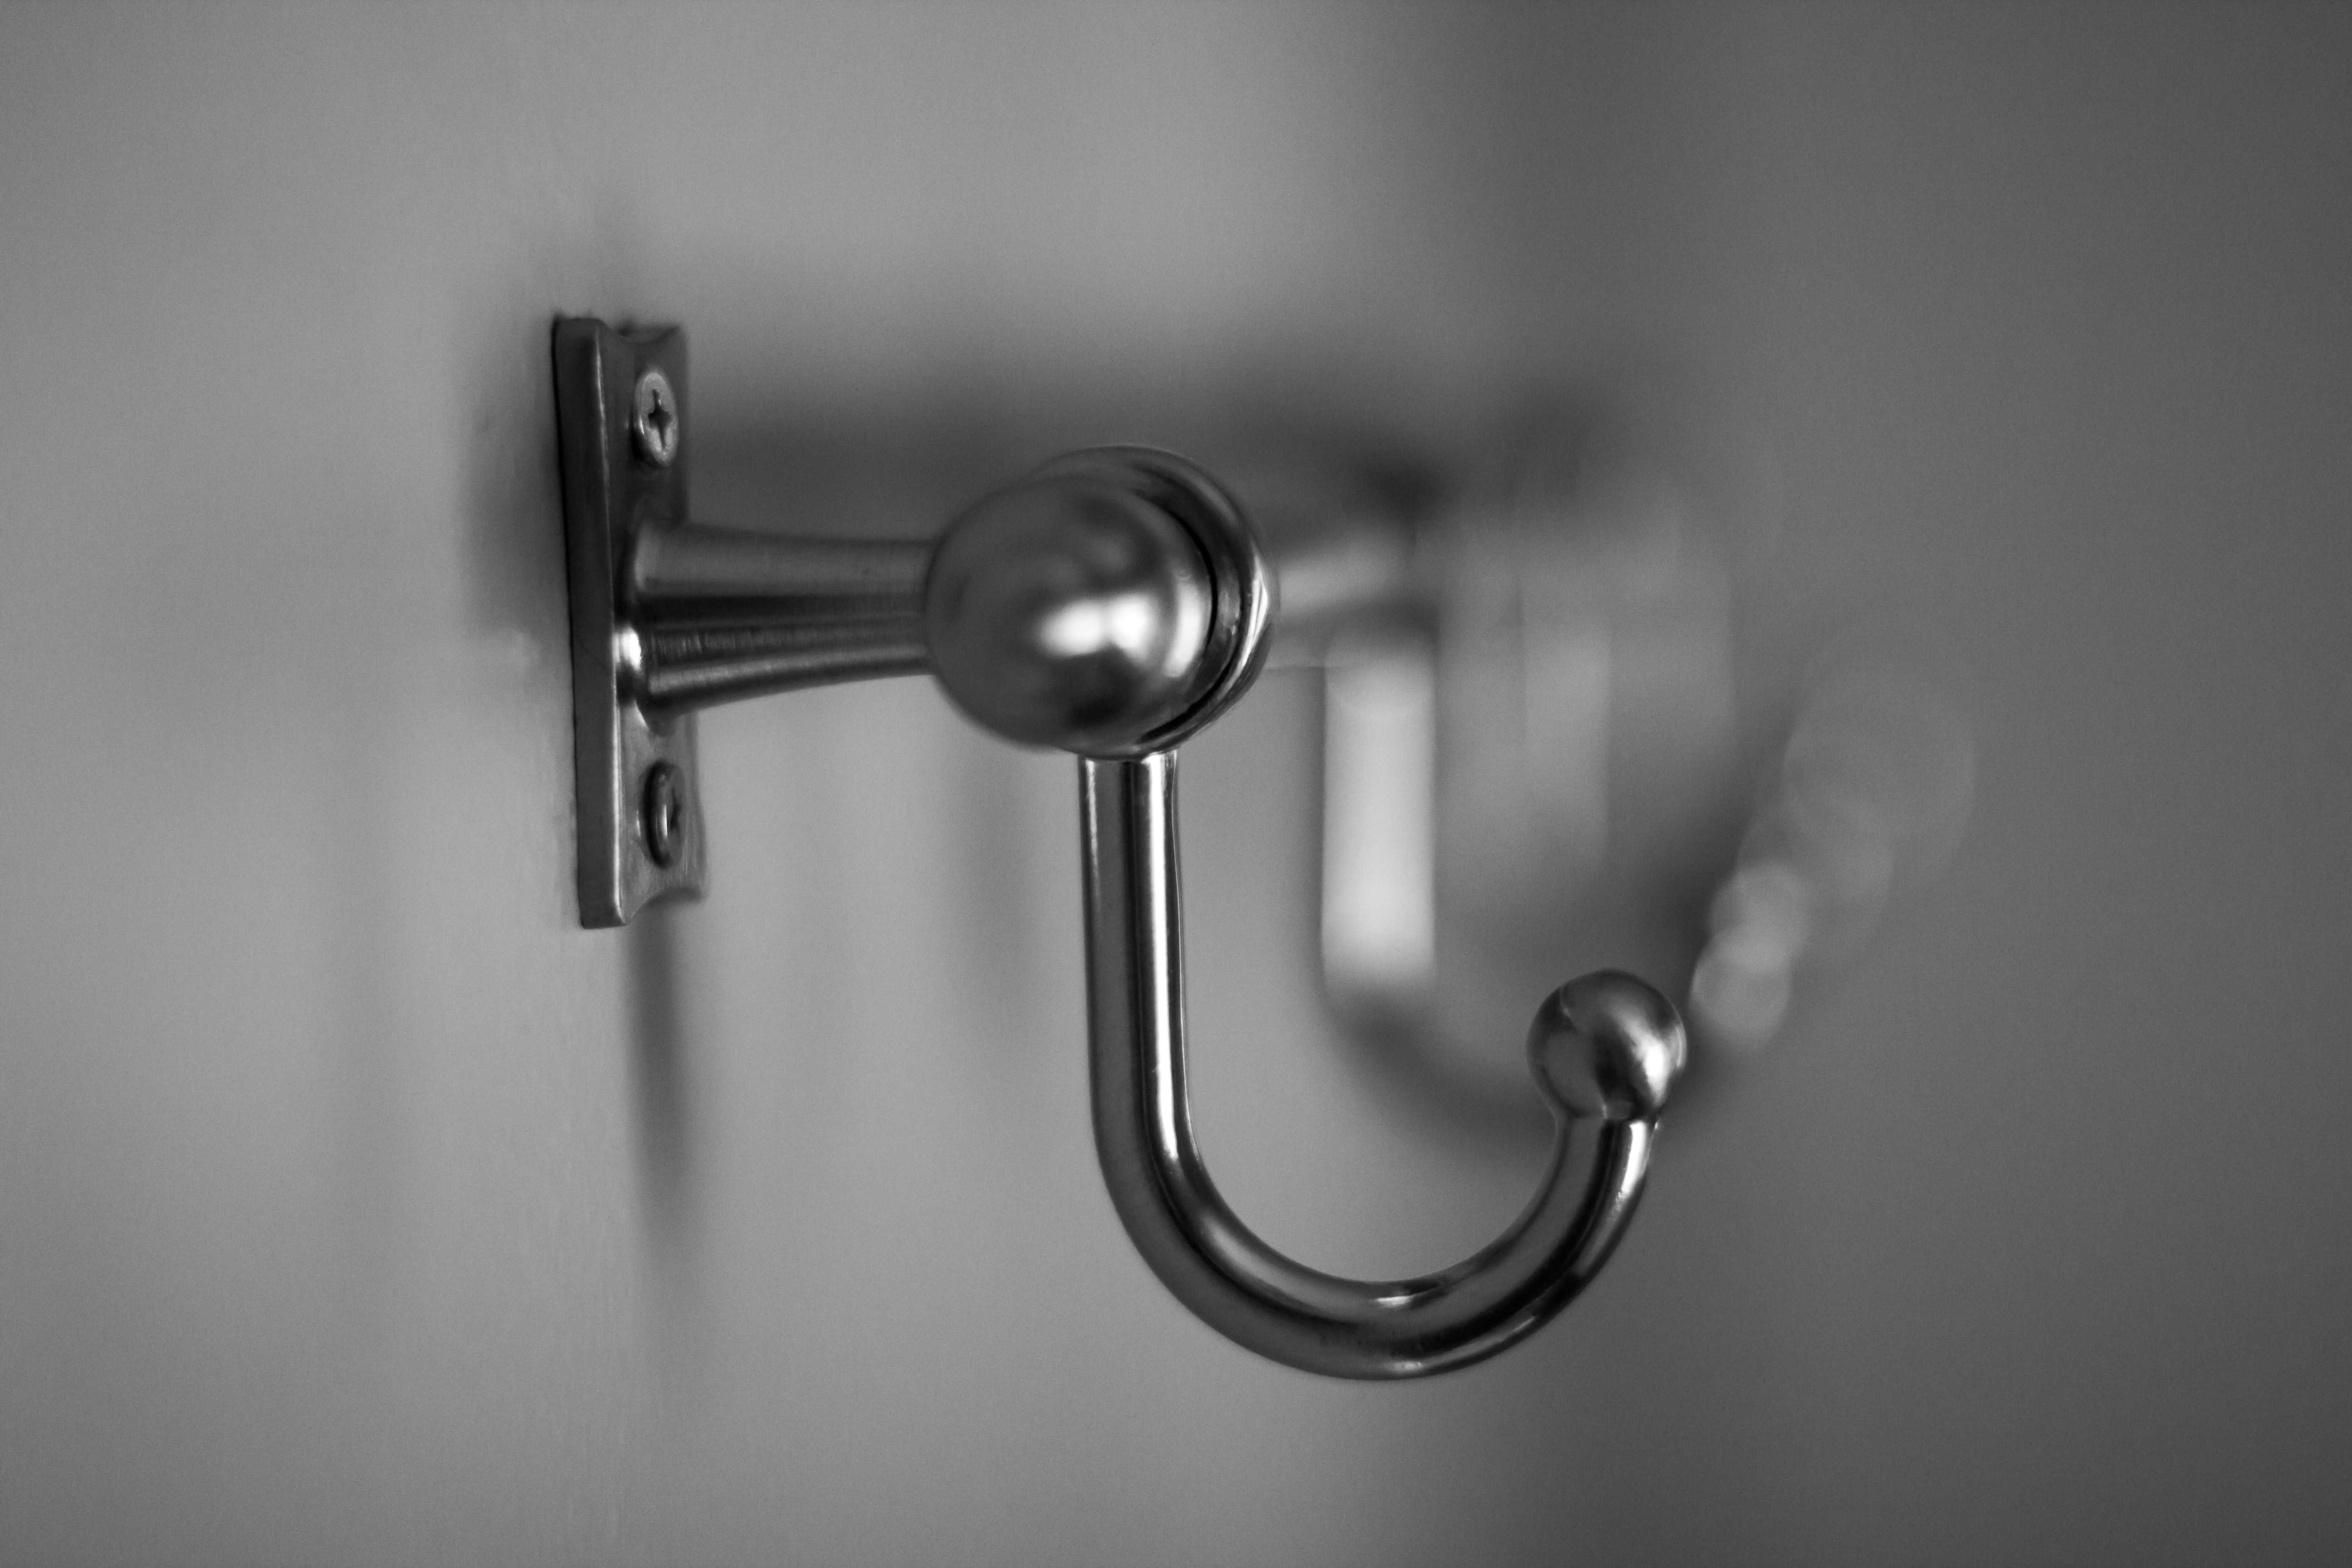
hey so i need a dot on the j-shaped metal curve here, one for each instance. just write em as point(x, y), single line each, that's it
point(1604, 1050)
point(1112, 604)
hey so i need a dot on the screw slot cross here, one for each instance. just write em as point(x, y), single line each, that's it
point(655, 424)
point(664, 813)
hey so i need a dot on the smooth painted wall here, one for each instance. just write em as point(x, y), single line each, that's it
point(357, 1206)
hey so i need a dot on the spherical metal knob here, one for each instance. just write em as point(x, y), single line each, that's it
point(1607, 1046)
point(1080, 608)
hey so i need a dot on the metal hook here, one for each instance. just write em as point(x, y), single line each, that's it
point(1112, 604)
point(1604, 1050)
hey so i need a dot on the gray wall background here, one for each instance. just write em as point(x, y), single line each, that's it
point(355, 1206)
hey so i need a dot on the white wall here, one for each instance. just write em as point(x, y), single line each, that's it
point(354, 1205)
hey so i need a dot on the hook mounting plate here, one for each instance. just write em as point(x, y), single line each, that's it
point(637, 789)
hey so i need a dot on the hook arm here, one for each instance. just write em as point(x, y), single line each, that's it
point(1604, 1048)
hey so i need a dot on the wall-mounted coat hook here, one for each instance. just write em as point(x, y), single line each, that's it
point(1111, 604)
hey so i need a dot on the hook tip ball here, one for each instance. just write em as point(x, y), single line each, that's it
point(1607, 1046)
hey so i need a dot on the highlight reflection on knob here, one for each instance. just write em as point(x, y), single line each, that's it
point(1068, 611)
point(1607, 1046)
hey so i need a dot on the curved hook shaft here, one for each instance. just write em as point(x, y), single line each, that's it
point(1201, 1252)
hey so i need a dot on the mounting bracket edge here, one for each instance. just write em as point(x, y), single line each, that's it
point(637, 789)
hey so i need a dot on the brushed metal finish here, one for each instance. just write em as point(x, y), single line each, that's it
point(723, 613)
point(694, 572)
point(685, 668)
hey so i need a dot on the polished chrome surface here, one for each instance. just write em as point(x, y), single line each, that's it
point(1072, 608)
point(1067, 610)
point(1111, 604)
point(1604, 1051)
